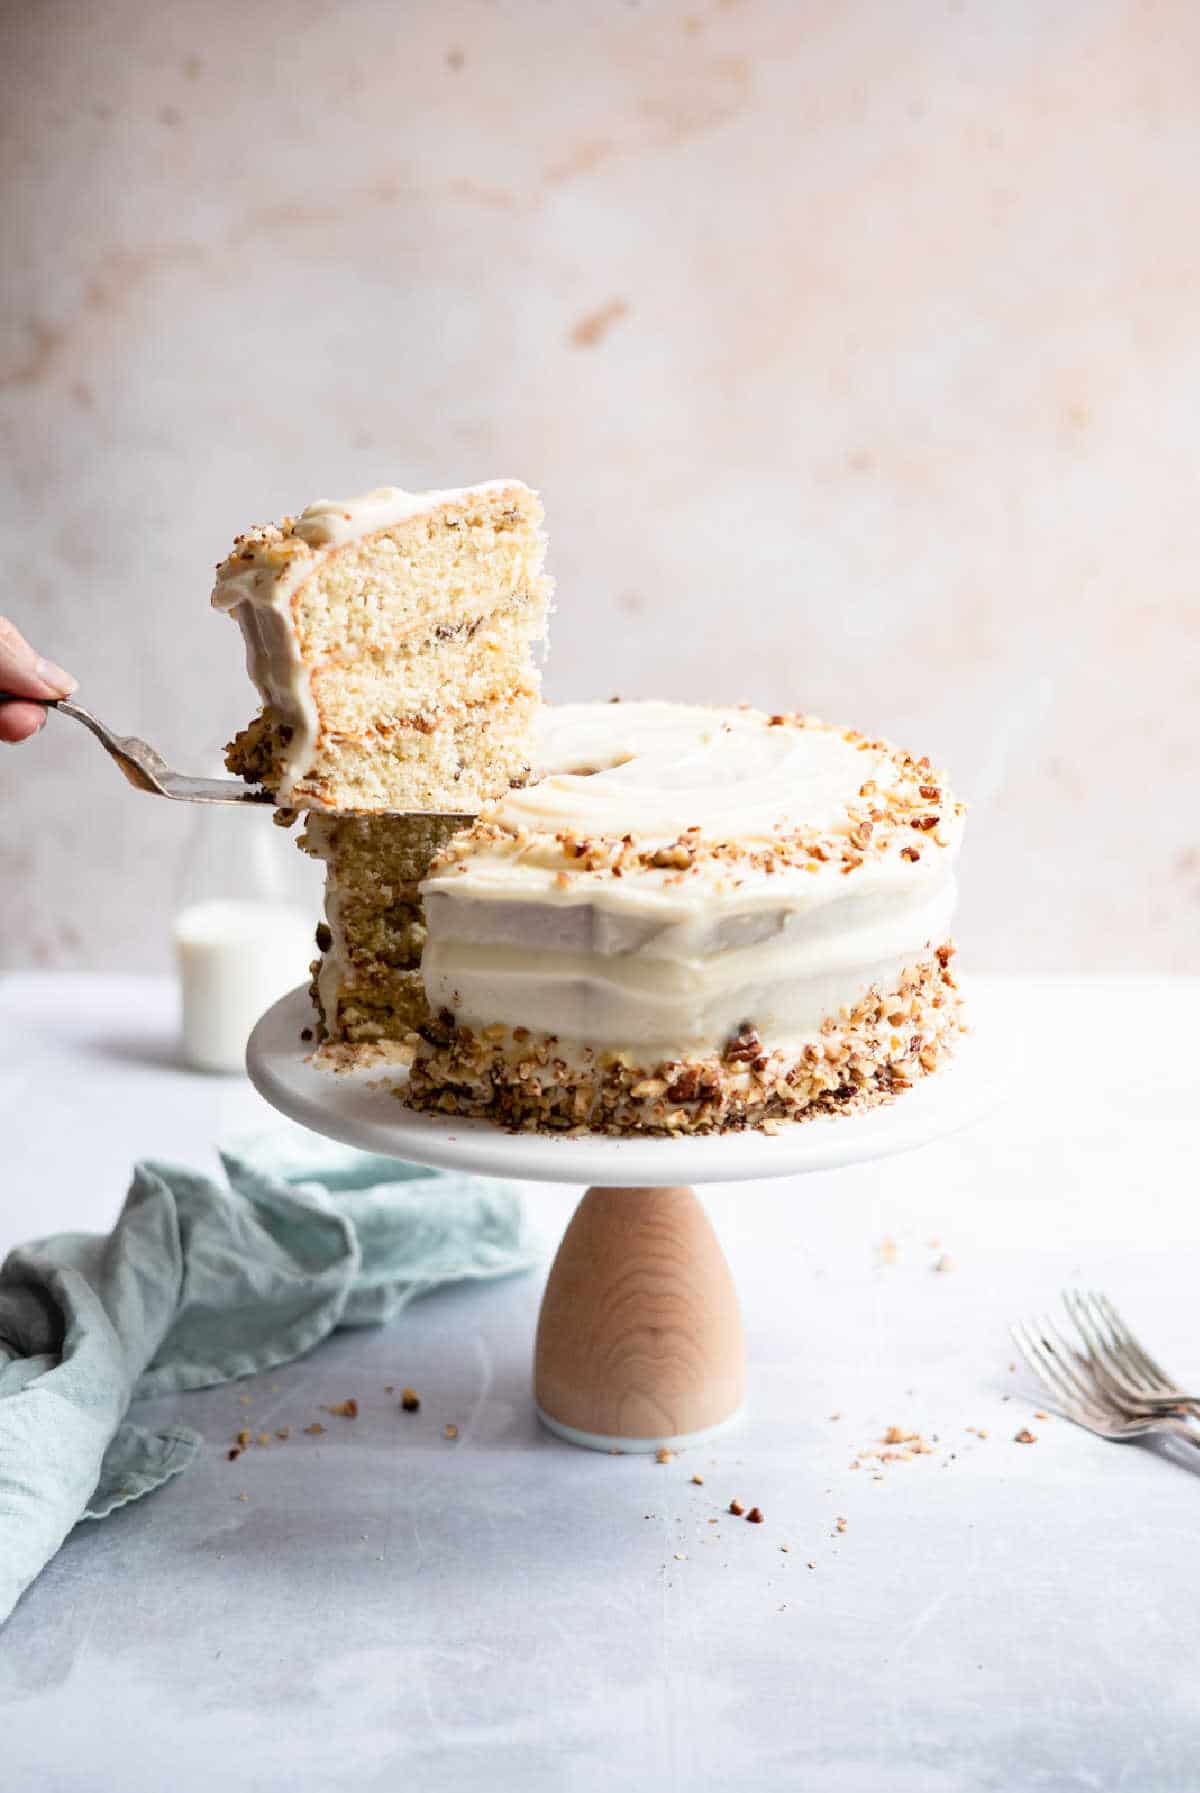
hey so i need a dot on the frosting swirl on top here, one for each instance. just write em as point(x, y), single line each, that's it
point(654, 770)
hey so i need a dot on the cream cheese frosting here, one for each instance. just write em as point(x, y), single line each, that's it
point(258, 581)
point(679, 871)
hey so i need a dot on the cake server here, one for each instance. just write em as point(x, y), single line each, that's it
point(147, 770)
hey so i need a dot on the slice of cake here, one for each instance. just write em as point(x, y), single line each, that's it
point(697, 920)
point(367, 986)
point(392, 641)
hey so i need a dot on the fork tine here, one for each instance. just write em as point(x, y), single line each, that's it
point(1135, 1370)
point(1130, 1344)
point(1084, 1309)
point(1051, 1367)
point(1094, 1390)
point(1104, 1362)
point(1071, 1365)
point(1027, 1346)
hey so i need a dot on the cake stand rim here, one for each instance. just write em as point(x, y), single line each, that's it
point(352, 1108)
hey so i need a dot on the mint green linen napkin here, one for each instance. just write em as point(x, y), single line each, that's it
point(198, 1284)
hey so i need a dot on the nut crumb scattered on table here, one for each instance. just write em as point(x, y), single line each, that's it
point(754, 1516)
point(663, 1455)
point(1025, 1436)
point(699, 1480)
point(314, 1429)
point(736, 1507)
point(410, 1400)
point(344, 1409)
point(450, 1431)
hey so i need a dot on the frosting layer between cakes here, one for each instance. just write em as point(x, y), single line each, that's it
point(680, 874)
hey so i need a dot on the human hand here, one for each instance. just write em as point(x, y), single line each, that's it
point(26, 675)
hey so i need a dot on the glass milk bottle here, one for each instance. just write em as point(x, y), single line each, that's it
point(247, 905)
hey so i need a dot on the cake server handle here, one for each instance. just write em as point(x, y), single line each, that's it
point(145, 769)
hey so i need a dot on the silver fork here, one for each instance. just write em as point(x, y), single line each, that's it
point(1097, 1386)
point(1131, 1370)
point(147, 770)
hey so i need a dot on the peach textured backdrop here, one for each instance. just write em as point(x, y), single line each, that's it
point(854, 348)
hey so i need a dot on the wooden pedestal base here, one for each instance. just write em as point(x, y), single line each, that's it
point(639, 1343)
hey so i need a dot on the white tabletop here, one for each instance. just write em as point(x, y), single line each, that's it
point(387, 1608)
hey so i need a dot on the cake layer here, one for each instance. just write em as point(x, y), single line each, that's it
point(680, 872)
point(367, 984)
point(454, 763)
point(369, 1017)
point(377, 856)
point(528, 1080)
point(485, 660)
point(391, 618)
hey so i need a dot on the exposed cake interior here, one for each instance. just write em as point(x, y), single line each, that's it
point(392, 640)
point(367, 984)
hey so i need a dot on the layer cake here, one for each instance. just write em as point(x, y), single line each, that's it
point(697, 919)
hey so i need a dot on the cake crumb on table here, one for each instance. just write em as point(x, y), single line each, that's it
point(410, 1400)
point(663, 1455)
point(840, 1525)
point(699, 1480)
point(736, 1507)
point(344, 1409)
point(1025, 1436)
point(450, 1431)
point(754, 1516)
point(314, 1429)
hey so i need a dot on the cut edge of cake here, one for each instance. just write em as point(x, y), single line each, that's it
point(367, 987)
point(392, 640)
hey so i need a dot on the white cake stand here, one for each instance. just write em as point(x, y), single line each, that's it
point(639, 1341)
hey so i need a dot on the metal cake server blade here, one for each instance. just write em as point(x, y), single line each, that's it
point(147, 770)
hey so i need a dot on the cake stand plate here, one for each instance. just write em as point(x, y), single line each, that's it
point(359, 1108)
point(639, 1342)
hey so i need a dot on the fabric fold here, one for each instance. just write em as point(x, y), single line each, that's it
point(199, 1284)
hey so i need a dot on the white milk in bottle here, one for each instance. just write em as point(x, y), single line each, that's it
point(243, 929)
